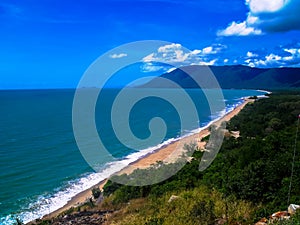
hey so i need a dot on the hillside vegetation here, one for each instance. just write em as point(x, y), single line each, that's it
point(248, 180)
point(237, 77)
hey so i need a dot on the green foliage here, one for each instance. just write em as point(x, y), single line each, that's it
point(96, 192)
point(154, 221)
point(280, 111)
point(257, 166)
point(110, 187)
point(253, 97)
point(253, 169)
point(197, 206)
point(69, 211)
point(203, 212)
point(206, 138)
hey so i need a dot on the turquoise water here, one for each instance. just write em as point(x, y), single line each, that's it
point(41, 167)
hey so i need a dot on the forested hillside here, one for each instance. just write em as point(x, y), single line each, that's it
point(237, 77)
point(248, 180)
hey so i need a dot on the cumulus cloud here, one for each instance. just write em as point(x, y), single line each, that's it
point(239, 29)
point(171, 69)
point(251, 54)
point(214, 49)
point(286, 57)
point(118, 56)
point(153, 67)
point(257, 6)
point(176, 55)
point(266, 16)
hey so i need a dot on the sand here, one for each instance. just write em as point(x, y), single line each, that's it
point(168, 153)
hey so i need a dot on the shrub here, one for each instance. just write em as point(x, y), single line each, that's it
point(96, 192)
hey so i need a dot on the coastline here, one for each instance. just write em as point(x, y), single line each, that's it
point(167, 153)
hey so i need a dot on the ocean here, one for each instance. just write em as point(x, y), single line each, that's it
point(41, 167)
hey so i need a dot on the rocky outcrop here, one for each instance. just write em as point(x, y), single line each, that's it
point(80, 218)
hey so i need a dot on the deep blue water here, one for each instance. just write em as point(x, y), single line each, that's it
point(41, 167)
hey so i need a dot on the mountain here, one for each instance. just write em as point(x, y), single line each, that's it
point(238, 77)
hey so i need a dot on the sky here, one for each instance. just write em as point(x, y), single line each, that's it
point(51, 43)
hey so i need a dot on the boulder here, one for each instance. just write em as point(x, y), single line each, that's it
point(263, 221)
point(293, 208)
point(281, 215)
point(172, 198)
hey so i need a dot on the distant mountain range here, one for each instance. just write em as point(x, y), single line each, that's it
point(238, 77)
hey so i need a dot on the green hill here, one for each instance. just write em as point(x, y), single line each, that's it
point(238, 77)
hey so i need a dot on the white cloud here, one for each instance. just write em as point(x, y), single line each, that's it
point(207, 50)
point(226, 60)
point(209, 63)
point(172, 69)
point(260, 63)
point(272, 57)
point(251, 20)
point(239, 29)
point(248, 61)
point(251, 64)
point(266, 16)
point(214, 49)
point(170, 47)
point(251, 54)
point(294, 57)
point(149, 58)
point(293, 51)
point(152, 67)
point(196, 52)
point(262, 6)
point(180, 56)
point(172, 53)
point(177, 55)
point(287, 57)
point(118, 56)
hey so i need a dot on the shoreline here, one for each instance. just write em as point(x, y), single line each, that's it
point(166, 153)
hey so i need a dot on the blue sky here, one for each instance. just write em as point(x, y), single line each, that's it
point(50, 43)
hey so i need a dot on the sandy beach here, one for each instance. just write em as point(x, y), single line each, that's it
point(167, 153)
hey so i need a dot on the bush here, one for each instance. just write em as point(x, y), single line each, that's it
point(96, 192)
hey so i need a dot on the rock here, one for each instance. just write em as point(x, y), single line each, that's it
point(190, 159)
point(172, 198)
point(221, 221)
point(293, 208)
point(86, 218)
point(263, 221)
point(281, 215)
point(100, 199)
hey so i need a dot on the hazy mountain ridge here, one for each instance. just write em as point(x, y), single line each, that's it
point(233, 77)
